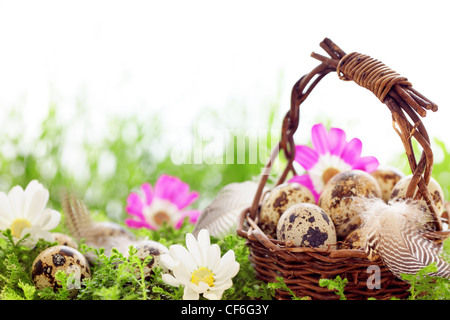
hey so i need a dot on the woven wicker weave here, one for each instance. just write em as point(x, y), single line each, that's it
point(303, 267)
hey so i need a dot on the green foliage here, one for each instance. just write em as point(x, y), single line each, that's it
point(15, 267)
point(337, 284)
point(119, 277)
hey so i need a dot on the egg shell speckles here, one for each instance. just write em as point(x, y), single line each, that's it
point(152, 248)
point(387, 178)
point(279, 199)
point(55, 258)
point(356, 240)
point(339, 195)
point(435, 189)
point(307, 225)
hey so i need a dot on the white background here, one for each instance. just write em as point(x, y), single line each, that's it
point(176, 58)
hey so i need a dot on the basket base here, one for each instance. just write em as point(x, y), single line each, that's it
point(302, 270)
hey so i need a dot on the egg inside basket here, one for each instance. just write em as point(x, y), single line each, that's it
point(290, 235)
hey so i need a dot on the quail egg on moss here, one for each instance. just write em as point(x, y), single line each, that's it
point(279, 199)
point(307, 225)
point(64, 258)
point(152, 248)
point(341, 193)
point(65, 240)
point(387, 178)
point(435, 189)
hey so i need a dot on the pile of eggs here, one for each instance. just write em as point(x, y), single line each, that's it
point(65, 256)
point(289, 212)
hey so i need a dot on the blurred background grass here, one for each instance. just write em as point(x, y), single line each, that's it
point(133, 150)
point(104, 169)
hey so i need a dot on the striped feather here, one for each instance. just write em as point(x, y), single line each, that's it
point(103, 234)
point(76, 214)
point(396, 233)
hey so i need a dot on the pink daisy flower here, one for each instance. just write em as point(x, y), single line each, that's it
point(163, 203)
point(329, 155)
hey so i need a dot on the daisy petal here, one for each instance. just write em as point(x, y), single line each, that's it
point(135, 204)
point(213, 295)
point(306, 181)
point(191, 214)
point(190, 294)
point(180, 253)
point(53, 221)
point(222, 285)
point(186, 199)
point(35, 203)
point(167, 261)
point(319, 138)
point(163, 186)
point(213, 256)
point(170, 280)
point(368, 164)
point(306, 156)
point(337, 141)
point(228, 267)
point(194, 249)
point(6, 210)
point(148, 192)
point(352, 151)
point(201, 287)
point(16, 199)
point(136, 224)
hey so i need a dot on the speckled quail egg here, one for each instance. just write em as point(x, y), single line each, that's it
point(356, 240)
point(340, 194)
point(65, 240)
point(399, 193)
point(307, 225)
point(387, 178)
point(152, 248)
point(63, 258)
point(278, 200)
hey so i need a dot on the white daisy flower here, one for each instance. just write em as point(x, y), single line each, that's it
point(25, 212)
point(199, 268)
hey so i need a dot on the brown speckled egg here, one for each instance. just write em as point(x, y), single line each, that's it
point(65, 240)
point(152, 248)
point(399, 192)
point(387, 178)
point(307, 225)
point(279, 199)
point(63, 258)
point(357, 240)
point(340, 194)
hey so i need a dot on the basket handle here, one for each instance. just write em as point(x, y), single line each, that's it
point(393, 90)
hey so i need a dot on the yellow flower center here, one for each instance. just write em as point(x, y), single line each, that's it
point(17, 227)
point(203, 274)
point(328, 174)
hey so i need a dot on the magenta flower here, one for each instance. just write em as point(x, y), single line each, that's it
point(164, 203)
point(331, 154)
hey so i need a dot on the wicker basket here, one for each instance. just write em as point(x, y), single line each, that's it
point(303, 267)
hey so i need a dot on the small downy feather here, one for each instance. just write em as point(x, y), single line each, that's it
point(396, 233)
point(221, 216)
point(102, 234)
